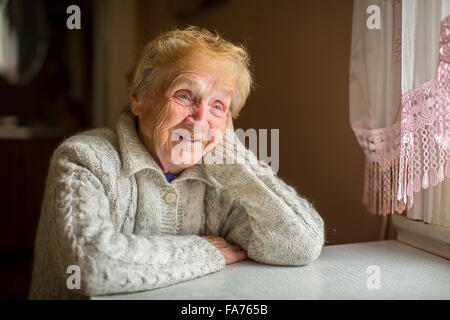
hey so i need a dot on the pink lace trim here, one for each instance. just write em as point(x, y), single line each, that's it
point(425, 128)
point(415, 152)
point(381, 148)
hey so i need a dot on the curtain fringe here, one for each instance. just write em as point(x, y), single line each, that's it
point(381, 187)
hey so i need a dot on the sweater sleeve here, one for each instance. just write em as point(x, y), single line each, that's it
point(260, 212)
point(81, 232)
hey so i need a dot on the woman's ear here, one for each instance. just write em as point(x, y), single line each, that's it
point(135, 103)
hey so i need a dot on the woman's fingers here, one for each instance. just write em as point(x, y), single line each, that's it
point(235, 247)
point(241, 255)
point(215, 239)
point(219, 242)
point(220, 245)
point(232, 253)
point(232, 256)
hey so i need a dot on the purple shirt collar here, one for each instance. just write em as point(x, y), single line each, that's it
point(170, 177)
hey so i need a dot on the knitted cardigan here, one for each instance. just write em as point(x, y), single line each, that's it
point(109, 210)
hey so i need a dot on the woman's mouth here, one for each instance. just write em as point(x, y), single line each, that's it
point(187, 138)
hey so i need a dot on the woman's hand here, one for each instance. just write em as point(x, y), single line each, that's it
point(217, 136)
point(232, 253)
point(230, 122)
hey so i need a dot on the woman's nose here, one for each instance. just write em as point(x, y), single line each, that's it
point(200, 114)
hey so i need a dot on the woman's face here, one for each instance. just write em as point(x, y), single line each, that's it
point(197, 98)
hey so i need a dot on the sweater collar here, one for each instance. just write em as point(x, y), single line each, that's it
point(135, 156)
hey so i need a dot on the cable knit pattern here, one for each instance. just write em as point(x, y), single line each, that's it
point(109, 210)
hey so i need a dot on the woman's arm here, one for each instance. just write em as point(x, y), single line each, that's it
point(81, 232)
point(260, 212)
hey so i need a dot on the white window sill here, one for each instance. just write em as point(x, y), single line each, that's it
point(422, 235)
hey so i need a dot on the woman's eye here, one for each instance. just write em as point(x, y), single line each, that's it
point(183, 94)
point(218, 107)
point(183, 97)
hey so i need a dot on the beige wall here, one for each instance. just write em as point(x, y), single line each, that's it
point(300, 52)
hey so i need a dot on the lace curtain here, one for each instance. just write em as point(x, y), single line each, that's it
point(425, 75)
point(375, 99)
point(405, 138)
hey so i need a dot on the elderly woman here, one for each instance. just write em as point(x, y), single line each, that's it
point(122, 208)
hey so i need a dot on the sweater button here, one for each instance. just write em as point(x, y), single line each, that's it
point(170, 198)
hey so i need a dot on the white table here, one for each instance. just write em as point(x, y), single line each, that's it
point(339, 273)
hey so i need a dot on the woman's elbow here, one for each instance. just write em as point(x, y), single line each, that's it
point(308, 253)
point(311, 246)
point(302, 250)
point(305, 247)
point(298, 250)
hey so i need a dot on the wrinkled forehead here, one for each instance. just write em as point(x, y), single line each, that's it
point(205, 72)
point(202, 82)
